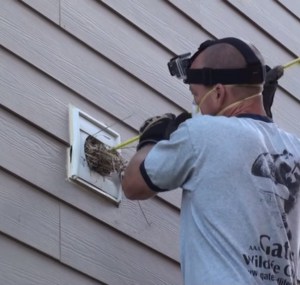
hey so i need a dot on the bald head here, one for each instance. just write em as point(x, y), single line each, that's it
point(226, 56)
point(220, 56)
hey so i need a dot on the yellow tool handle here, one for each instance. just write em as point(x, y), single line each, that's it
point(123, 144)
point(289, 64)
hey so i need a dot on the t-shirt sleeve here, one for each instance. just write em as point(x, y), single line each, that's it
point(169, 164)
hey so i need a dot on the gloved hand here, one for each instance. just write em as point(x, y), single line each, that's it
point(270, 86)
point(160, 128)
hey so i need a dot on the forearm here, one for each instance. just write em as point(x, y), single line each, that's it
point(133, 184)
point(152, 131)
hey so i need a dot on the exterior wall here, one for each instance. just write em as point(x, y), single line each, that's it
point(108, 58)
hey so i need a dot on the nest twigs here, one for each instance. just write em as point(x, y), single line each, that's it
point(101, 158)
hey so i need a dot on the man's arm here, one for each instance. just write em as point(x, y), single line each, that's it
point(152, 131)
point(133, 184)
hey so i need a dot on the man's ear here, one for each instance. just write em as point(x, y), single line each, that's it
point(220, 94)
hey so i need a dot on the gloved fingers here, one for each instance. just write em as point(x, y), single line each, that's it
point(176, 121)
point(274, 74)
point(155, 129)
point(147, 123)
point(155, 120)
point(174, 124)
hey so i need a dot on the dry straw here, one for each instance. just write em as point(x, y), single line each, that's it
point(101, 158)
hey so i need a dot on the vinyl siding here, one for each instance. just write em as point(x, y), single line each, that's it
point(108, 58)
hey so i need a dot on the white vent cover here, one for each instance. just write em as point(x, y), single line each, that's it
point(81, 126)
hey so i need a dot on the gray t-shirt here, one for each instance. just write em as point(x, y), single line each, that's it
point(240, 213)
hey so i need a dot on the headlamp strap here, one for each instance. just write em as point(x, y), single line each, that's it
point(254, 73)
point(209, 76)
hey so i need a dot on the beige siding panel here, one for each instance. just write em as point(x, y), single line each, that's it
point(42, 161)
point(123, 44)
point(78, 67)
point(210, 15)
point(162, 22)
point(50, 8)
point(266, 14)
point(110, 257)
point(173, 197)
point(25, 150)
point(292, 5)
point(28, 215)
point(44, 101)
point(286, 31)
point(20, 265)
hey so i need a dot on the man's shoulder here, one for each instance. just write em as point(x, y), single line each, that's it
point(209, 121)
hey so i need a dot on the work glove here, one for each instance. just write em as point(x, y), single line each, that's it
point(160, 128)
point(270, 86)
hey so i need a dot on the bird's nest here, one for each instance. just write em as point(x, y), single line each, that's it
point(101, 158)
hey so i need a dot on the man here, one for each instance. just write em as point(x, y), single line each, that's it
point(239, 173)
